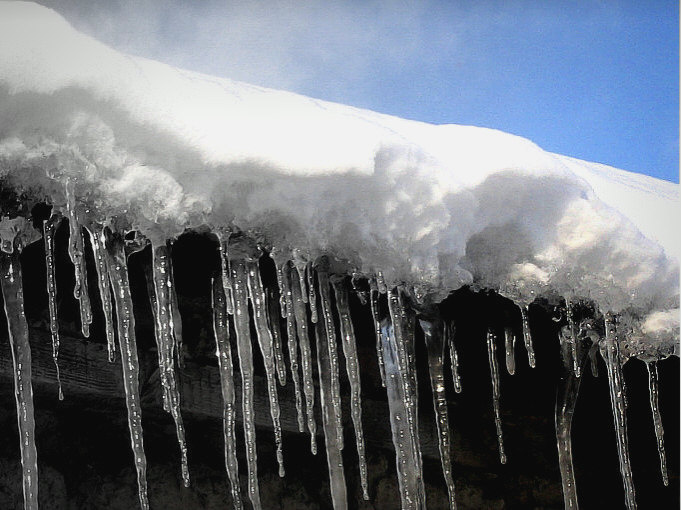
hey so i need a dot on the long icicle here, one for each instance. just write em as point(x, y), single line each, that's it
point(264, 335)
point(99, 251)
point(566, 399)
point(286, 298)
point(373, 300)
point(273, 316)
point(349, 343)
point(327, 315)
point(433, 330)
point(496, 393)
point(334, 456)
point(450, 333)
point(527, 335)
point(239, 277)
point(509, 348)
point(77, 256)
point(176, 318)
point(305, 358)
point(13, 295)
point(127, 345)
point(166, 345)
point(611, 355)
point(49, 228)
point(224, 355)
point(657, 418)
point(396, 389)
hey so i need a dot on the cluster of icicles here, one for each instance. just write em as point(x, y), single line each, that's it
point(305, 302)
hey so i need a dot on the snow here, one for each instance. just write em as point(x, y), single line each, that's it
point(433, 206)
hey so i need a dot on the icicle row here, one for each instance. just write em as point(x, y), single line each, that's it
point(657, 418)
point(611, 355)
point(256, 294)
point(239, 278)
point(167, 344)
point(224, 356)
point(496, 394)
point(49, 229)
point(300, 313)
point(13, 295)
point(327, 315)
point(129, 361)
point(352, 368)
point(433, 333)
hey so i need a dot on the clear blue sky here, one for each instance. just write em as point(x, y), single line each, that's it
point(598, 80)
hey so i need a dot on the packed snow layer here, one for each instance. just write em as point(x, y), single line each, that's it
point(435, 206)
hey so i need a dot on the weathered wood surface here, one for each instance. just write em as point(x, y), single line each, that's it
point(85, 369)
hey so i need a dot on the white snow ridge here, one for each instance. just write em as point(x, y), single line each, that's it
point(117, 143)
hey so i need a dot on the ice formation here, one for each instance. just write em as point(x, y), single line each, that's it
point(120, 144)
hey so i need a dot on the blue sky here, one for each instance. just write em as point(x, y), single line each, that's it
point(597, 80)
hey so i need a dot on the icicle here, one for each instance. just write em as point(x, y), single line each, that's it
point(334, 456)
point(373, 299)
point(527, 336)
point(312, 297)
point(301, 266)
point(257, 296)
point(163, 289)
point(49, 229)
point(305, 358)
point(408, 465)
point(77, 255)
point(432, 331)
point(657, 419)
point(13, 294)
point(509, 344)
point(151, 292)
point(224, 273)
point(566, 398)
point(494, 370)
point(352, 367)
point(292, 342)
point(449, 333)
point(573, 341)
point(273, 324)
point(327, 314)
point(127, 345)
point(176, 318)
point(380, 283)
point(224, 355)
point(593, 356)
point(99, 251)
point(239, 277)
point(280, 264)
point(611, 355)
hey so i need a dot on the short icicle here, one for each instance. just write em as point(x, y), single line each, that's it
point(509, 348)
point(407, 464)
point(300, 312)
point(239, 278)
point(334, 456)
point(527, 335)
point(163, 289)
point(657, 418)
point(99, 251)
point(449, 334)
point(13, 295)
point(566, 398)
point(373, 300)
point(496, 393)
point(224, 355)
point(331, 342)
point(349, 344)
point(49, 228)
point(433, 330)
point(127, 345)
point(286, 299)
point(256, 294)
point(77, 256)
point(610, 352)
